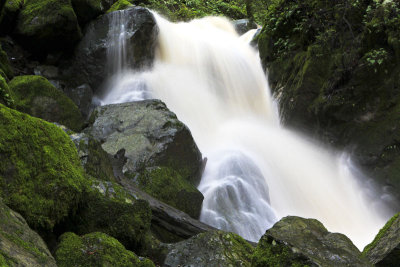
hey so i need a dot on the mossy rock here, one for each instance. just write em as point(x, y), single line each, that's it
point(5, 95)
point(384, 250)
point(108, 208)
point(86, 10)
point(120, 5)
point(295, 241)
point(40, 173)
point(167, 185)
point(8, 15)
point(48, 25)
point(20, 245)
point(95, 249)
point(5, 67)
point(36, 96)
point(213, 249)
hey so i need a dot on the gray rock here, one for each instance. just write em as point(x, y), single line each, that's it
point(295, 240)
point(19, 245)
point(150, 135)
point(243, 25)
point(212, 249)
point(385, 249)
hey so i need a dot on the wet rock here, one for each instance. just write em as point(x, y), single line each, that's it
point(244, 25)
point(305, 242)
point(213, 249)
point(19, 245)
point(385, 249)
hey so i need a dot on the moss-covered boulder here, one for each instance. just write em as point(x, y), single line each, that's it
point(36, 96)
point(108, 208)
point(19, 245)
point(167, 185)
point(213, 249)
point(336, 70)
point(48, 25)
point(385, 249)
point(295, 241)
point(5, 94)
point(40, 174)
point(8, 15)
point(5, 68)
point(95, 249)
point(119, 5)
point(150, 135)
point(86, 10)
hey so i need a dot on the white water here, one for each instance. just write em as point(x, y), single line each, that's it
point(257, 171)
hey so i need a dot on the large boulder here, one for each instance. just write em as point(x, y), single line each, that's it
point(40, 174)
point(36, 96)
point(95, 249)
point(295, 241)
point(86, 10)
point(385, 249)
point(150, 135)
point(48, 25)
point(19, 245)
point(335, 69)
point(213, 249)
point(89, 65)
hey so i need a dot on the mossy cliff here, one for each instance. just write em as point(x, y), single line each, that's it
point(335, 69)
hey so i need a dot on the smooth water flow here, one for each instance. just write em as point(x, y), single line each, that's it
point(257, 171)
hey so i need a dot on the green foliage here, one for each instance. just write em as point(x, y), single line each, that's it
point(5, 96)
point(168, 186)
point(36, 96)
point(380, 234)
point(95, 249)
point(40, 173)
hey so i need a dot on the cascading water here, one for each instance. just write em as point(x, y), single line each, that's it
point(257, 171)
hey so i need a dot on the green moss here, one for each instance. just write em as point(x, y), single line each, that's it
point(168, 186)
point(95, 249)
point(5, 65)
point(110, 209)
point(40, 173)
point(380, 234)
point(36, 96)
point(5, 95)
point(48, 24)
point(119, 5)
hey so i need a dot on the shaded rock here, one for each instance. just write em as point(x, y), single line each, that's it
point(385, 249)
point(244, 25)
point(298, 241)
point(110, 209)
point(215, 248)
point(168, 186)
point(336, 71)
point(19, 245)
point(8, 15)
point(86, 10)
point(40, 173)
point(150, 134)
point(5, 68)
point(95, 249)
point(36, 96)
point(89, 65)
point(48, 25)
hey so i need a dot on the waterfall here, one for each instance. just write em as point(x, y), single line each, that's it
point(257, 171)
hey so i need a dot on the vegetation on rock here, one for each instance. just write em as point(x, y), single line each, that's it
point(36, 96)
point(40, 173)
point(119, 5)
point(95, 249)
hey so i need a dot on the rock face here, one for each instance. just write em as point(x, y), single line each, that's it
point(89, 65)
point(336, 71)
point(36, 96)
point(95, 249)
point(86, 10)
point(48, 25)
point(40, 173)
point(150, 134)
point(19, 245)
point(385, 249)
point(213, 249)
point(243, 25)
point(298, 241)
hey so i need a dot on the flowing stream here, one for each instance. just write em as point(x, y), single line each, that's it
point(257, 171)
